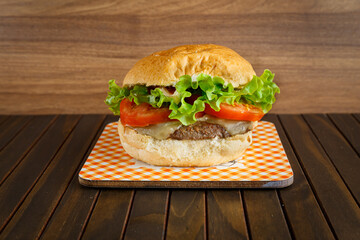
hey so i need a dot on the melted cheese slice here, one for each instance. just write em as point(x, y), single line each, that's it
point(159, 131)
point(233, 127)
point(164, 130)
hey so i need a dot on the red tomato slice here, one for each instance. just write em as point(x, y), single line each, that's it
point(241, 112)
point(142, 115)
point(199, 114)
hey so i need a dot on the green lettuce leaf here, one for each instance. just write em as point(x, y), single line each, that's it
point(115, 96)
point(260, 91)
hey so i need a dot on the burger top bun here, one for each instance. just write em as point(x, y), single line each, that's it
point(165, 67)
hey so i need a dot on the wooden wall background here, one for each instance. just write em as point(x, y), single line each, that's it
point(57, 56)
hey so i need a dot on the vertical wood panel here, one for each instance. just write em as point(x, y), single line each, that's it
point(109, 217)
point(339, 151)
point(34, 213)
point(264, 215)
point(69, 210)
point(186, 215)
point(11, 127)
point(340, 207)
point(148, 215)
point(15, 188)
point(71, 215)
point(303, 213)
point(14, 152)
point(3, 119)
point(225, 215)
point(349, 127)
point(357, 116)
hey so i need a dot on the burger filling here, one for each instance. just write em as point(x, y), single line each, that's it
point(206, 127)
point(197, 107)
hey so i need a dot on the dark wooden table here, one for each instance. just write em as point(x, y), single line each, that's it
point(40, 196)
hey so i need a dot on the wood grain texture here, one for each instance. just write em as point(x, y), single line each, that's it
point(339, 151)
point(148, 215)
point(186, 218)
point(263, 209)
point(51, 204)
point(14, 152)
point(334, 197)
point(41, 202)
point(357, 116)
point(3, 119)
point(68, 50)
point(15, 188)
point(303, 213)
point(225, 215)
point(173, 7)
point(349, 127)
point(71, 215)
point(11, 127)
point(109, 217)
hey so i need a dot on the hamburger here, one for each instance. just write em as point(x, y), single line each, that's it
point(192, 105)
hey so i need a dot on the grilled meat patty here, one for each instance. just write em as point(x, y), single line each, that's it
point(200, 130)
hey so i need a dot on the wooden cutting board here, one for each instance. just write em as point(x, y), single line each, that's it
point(263, 165)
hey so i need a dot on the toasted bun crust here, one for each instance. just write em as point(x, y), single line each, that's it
point(183, 153)
point(165, 67)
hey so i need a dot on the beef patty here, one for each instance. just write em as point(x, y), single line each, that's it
point(200, 130)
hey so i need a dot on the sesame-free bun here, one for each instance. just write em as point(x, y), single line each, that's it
point(183, 153)
point(165, 67)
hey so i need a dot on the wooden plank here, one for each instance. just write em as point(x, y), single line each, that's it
point(3, 119)
point(163, 7)
point(30, 169)
point(71, 215)
point(264, 215)
point(357, 116)
point(22, 143)
point(111, 210)
point(349, 127)
point(339, 151)
point(118, 41)
point(225, 215)
point(303, 213)
point(41, 202)
point(184, 184)
point(334, 198)
point(11, 127)
point(187, 215)
point(109, 217)
point(147, 221)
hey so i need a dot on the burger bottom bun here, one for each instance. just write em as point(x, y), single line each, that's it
point(183, 153)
